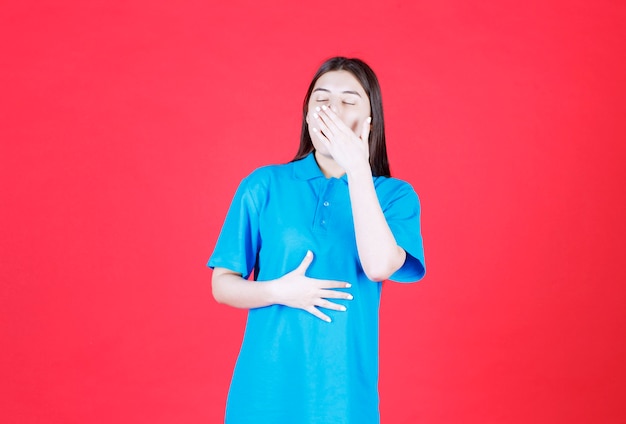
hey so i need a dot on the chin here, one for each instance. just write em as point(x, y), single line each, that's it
point(322, 151)
point(318, 147)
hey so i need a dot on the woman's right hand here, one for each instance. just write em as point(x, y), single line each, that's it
point(296, 290)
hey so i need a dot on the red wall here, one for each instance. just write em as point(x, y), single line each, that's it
point(126, 127)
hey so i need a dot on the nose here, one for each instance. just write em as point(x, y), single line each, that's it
point(334, 105)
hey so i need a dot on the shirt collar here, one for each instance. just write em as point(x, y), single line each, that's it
point(307, 169)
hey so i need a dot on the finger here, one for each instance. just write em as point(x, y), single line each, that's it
point(321, 124)
point(334, 294)
point(316, 312)
point(304, 265)
point(321, 137)
point(333, 284)
point(322, 303)
point(332, 120)
point(365, 131)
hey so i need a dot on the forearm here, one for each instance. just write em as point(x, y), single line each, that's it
point(232, 289)
point(379, 253)
point(293, 289)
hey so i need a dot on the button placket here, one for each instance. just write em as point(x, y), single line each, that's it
point(323, 205)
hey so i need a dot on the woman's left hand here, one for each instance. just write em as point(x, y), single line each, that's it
point(348, 149)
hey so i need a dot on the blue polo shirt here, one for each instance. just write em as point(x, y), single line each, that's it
point(294, 367)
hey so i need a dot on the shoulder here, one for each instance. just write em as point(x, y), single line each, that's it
point(393, 187)
point(265, 175)
point(259, 183)
point(394, 193)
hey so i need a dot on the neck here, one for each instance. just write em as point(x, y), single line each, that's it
point(328, 166)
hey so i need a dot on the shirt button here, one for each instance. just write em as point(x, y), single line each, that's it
point(326, 203)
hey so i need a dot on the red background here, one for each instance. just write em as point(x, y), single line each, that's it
point(126, 127)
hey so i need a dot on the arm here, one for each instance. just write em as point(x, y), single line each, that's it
point(378, 251)
point(294, 289)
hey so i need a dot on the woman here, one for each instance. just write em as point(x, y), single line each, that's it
point(321, 233)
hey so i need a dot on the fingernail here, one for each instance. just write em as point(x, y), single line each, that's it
point(324, 107)
point(348, 285)
point(369, 120)
point(317, 109)
point(343, 308)
point(314, 129)
point(350, 297)
point(328, 320)
point(315, 115)
point(308, 252)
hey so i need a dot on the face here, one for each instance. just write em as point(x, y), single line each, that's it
point(342, 92)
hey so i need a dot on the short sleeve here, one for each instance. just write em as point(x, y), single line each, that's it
point(239, 240)
point(402, 213)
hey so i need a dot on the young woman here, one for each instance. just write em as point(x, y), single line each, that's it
point(320, 233)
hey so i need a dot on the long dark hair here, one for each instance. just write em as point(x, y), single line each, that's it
point(366, 77)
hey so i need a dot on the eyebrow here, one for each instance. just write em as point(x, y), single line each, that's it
point(344, 92)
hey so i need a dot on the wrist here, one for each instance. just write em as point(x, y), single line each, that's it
point(360, 171)
point(272, 293)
